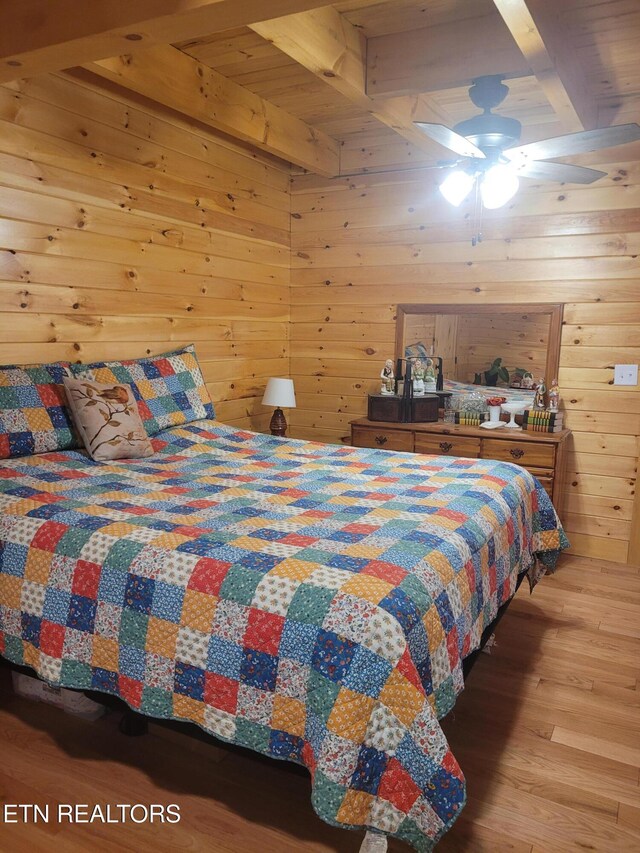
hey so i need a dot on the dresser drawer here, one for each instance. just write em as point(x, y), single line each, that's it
point(547, 484)
point(383, 439)
point(526, 453)
point(448, 445)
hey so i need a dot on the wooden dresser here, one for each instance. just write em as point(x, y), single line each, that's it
point(543, 454)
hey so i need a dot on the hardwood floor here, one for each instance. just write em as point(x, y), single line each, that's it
point(547, 732)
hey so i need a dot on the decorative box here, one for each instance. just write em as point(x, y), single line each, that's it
point(394, 409)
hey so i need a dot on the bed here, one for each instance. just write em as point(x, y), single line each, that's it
point(308, 601)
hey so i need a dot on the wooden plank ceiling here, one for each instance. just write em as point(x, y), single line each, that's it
point(335, 89)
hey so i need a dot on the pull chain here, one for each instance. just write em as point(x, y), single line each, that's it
point(478, 207)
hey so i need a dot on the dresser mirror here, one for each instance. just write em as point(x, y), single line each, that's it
point(498, 345)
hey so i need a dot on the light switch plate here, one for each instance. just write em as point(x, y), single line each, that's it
point(625, 374)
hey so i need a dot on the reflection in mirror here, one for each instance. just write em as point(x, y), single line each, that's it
point(503, 346)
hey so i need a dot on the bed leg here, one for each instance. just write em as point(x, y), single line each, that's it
point(132, 724)
point(374, 842)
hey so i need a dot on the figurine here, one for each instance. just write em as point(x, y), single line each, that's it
point(538, 401)
point(429, 376)
point(527, 380)
point(387, 377)
point(554, 396)
point(418, 376)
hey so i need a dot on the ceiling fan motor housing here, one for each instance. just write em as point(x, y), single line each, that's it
point(490, 132)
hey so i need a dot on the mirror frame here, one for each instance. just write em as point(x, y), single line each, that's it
point(553, 309)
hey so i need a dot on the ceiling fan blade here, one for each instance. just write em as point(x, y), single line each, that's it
point(576, 143)
point(450, 139)
point(561, 172)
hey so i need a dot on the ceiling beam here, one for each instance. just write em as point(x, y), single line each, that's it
point(442, 57)
point(539, 33)
point(170, 77)
point(38, 36)
point(328, 45)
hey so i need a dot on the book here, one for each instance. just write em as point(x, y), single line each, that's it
point(542, 416)
point(542, 427)
point(469, 418)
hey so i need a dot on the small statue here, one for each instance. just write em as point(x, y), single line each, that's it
point(429, 376)
point(417, 376)
point(554, 396)
point(538, 401)
point(527, 380)
point(388, 379)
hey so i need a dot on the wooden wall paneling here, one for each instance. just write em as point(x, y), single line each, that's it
point(520, 341)
point(595, 506)
point(309, 332)
point(120, 241)
point(224, 246)
point(480, 272)
point(34, 208)
point(615, 529)
point(616, 313)
point(42, 328)
point(62, 300)
point(446, 337)
point(338, 386)
point(634, 536)
point(345, 292)
point(179, 140)
point(112, 142)
point(218, 351)
point(419, 328)
point(343, 350)
point(348, 313)
point(172, 209)
point(28, 268)
point(127, 130)
point(364, 244)
point(427, 231)
point(489, 250)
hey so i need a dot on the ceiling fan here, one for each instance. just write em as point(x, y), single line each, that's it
point(489, 154)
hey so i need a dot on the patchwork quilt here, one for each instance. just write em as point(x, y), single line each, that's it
point(307, 601)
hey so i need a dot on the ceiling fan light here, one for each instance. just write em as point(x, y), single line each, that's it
point(456, 187)
point(499, 184)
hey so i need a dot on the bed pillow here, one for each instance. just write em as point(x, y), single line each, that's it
point(107, 419)
point(33, 413)
point(169, 388)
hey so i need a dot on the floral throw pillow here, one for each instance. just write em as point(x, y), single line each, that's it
point(107, 419)
point(33, 413)
point(169, 389)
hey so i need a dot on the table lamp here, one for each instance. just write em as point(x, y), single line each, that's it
point(279, 392)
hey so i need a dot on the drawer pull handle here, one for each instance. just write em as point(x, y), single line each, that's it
point(381, 439)
point(445, 446)
point(517, 452)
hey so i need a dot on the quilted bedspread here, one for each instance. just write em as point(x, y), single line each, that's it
point(308, 601)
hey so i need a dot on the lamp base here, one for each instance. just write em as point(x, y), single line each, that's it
point(278, 425)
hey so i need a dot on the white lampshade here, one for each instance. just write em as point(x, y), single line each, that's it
point(457, 186)
point(499, 184)
point(280, 393)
